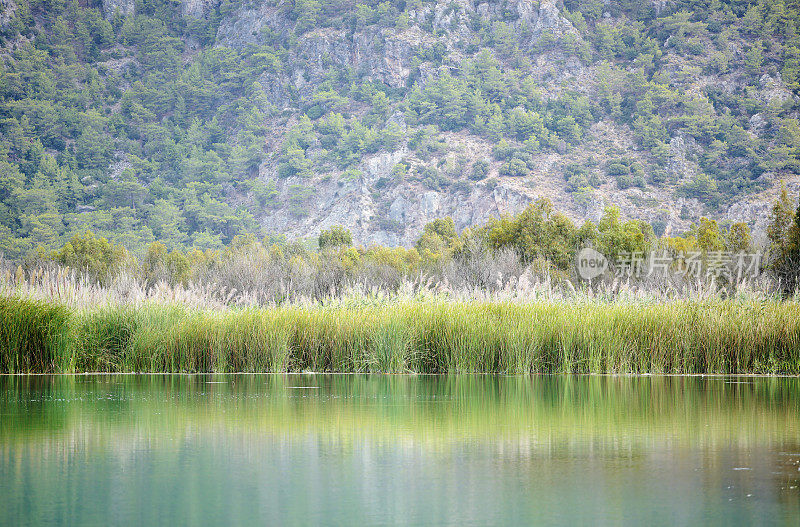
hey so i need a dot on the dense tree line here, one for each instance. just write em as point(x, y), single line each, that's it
point(539, 238)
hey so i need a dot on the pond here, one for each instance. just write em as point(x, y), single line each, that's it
point(377, 450)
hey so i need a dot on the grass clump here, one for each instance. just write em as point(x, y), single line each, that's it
point(34, 337)
point(714, 336)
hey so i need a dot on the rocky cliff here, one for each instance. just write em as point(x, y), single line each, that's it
point(390, 56)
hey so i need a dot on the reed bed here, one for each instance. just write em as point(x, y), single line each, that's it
point(406, 336)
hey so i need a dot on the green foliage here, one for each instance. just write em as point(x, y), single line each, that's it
point(438, 238)
point(616, 236)
point(264, 193)
point(627, 172)
point(537, 233)
point(336, 236)
point(92, 255)
point(580, 179)
point(33, 337)
point(480, 169)
point(708, 235)
point(700, 187)
point(299, 198)
point(127, 128)
point(783, 233)
point(738, 238)
point(514, 167)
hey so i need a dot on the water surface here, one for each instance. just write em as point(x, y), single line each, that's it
point(377, 450)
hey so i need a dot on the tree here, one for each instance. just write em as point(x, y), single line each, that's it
point(480, 169)
point(739, 239)
point(784, 237)
point(708, 236)
point(306, 12)
point(90, 254)
point(791, 66)
point(536, 233)
point(168, 222)
point(336, 236)
point(153, 262)
point(437, 238)
point(754, 57)
point(514, 167)
point(124, 191)
point(781, 220)
point(617, 237)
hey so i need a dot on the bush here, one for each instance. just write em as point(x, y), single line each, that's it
point(503, 150)
point(514, 167)
point(461, 187)
point(579, 178)
point(90, 254)
point(627, 172)
point(433, 179)
point(480, 169)
point(336, 236)
point(617, 169)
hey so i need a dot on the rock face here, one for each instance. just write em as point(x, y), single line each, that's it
point(189, 8)
point(379, 206)
point(399, 223)
point(123, 7)
point(679, 166)
point(376, 213)
point(384, 56)
point(197, 8)
point(377, 209)
point(7, 9)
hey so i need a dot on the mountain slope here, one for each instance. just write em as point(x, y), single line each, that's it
point(194, 121)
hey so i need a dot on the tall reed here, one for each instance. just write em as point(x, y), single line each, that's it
point(712, 336)
point(34, 337)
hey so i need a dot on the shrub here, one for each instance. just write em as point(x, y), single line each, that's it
point(336, 236)
point(480, 169)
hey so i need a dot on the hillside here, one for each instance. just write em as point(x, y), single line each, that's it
point(192, 121)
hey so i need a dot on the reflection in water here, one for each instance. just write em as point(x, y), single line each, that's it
point(374, 449)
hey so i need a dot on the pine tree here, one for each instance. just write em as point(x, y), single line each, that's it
point(784, 236)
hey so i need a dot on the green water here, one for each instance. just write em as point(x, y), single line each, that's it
point(377, 450)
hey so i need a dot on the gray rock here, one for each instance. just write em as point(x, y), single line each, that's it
point(679, 166)
point(398, 209)
point(549, 18)
point(123, 7)
point(197, 8)
point(381, 165)
point(774, 90)
point(245, 25)
point(429, 204)
point(189, 8)
point(399, 119)
point(7, 10)
point(755, 214)
point(595, 209)
point(757, 123)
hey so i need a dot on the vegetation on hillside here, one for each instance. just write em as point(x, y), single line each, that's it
point(147, 128)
